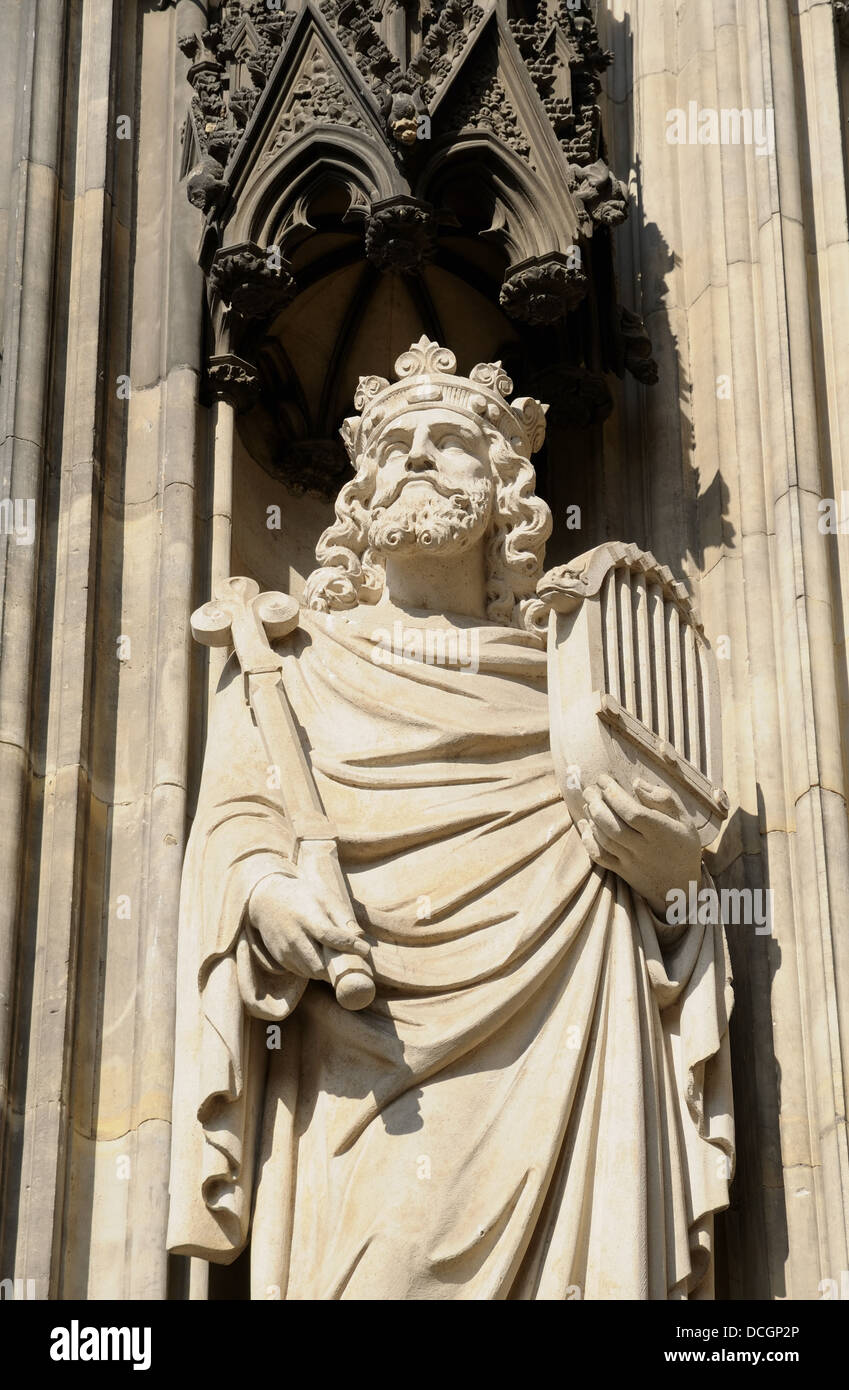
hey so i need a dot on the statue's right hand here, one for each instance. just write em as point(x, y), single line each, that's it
point(296, 918)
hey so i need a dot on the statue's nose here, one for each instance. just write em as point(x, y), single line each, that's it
point(420, 457)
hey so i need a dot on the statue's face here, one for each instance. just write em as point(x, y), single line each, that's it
point(434, 484)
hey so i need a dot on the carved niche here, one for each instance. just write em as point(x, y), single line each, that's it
point(442, 122)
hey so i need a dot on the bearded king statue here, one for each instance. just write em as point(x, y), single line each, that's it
point(437, 1036)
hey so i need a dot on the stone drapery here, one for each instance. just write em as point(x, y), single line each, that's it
point(538, 1103)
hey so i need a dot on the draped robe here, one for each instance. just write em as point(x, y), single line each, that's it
point(536, 1106)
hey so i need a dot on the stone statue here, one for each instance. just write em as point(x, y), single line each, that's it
point(536, 1104)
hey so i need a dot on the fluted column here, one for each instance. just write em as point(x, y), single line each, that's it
point(102, 314)
point(155, 538)
point(755, 267)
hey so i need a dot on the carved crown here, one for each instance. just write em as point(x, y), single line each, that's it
point(426, 376)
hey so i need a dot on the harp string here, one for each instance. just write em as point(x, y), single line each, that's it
point(655, 663)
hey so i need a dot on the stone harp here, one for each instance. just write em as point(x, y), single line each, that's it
point(633, 684)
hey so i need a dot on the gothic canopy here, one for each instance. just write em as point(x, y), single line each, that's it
point(446, 153)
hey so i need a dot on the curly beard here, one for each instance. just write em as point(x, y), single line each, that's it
point(446, 521)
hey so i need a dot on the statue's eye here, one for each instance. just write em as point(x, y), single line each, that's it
point(452, 441)
point(394, 452)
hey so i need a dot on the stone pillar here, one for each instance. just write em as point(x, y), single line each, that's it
point(58, 373)
point(102, 330)
point(741, 260)
point(32, 52)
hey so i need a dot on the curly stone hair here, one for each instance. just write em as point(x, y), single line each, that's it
point(350, 572)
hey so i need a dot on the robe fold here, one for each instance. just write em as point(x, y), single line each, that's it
point(538, 1103)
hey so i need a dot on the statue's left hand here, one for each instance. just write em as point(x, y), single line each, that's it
point(647, 838)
